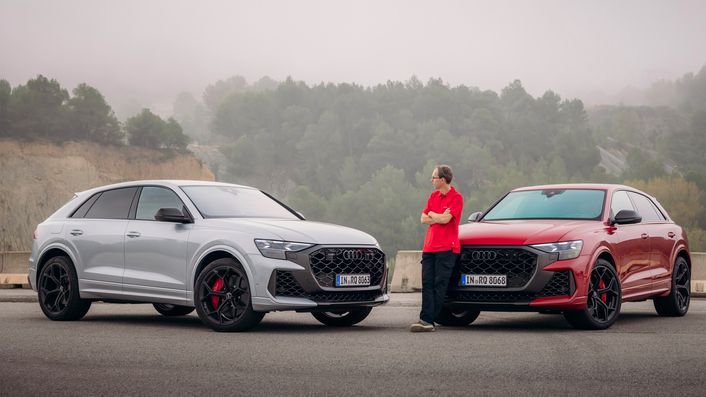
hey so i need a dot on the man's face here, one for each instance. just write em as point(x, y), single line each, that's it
point(435, 180)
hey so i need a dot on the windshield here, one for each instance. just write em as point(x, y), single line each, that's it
point(235, 202)
point(549, 204)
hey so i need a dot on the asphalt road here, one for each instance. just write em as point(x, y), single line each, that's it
point(130, 349)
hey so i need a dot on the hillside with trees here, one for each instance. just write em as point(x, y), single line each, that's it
point(362, 156)
point(43, 110)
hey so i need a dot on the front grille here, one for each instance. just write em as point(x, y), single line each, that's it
point(491, 296)
point(287, 286)
point(327, 262)
point(517, 263)
point(345, 296)
point(558, 285)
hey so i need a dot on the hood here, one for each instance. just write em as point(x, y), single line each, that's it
point(517, 232)
point(297, 230)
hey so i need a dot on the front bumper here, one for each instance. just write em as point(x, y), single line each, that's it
point(305, 282)
point(543, 283)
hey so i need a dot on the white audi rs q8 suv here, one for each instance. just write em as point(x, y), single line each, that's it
point(231, 252)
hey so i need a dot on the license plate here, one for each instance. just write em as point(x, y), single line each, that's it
point(484, 280)
point(352, 280)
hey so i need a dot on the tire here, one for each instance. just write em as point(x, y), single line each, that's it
point(457, 317)
point(603, 302)
point(676, 304)
point(345, 318)
point(223, 298)
point(57, 291)
point(168, 310)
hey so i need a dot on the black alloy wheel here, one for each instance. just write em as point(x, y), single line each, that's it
point(603, 299)
point(223, 297)
point(456, 317)
point(57, 288)
point(676, 304)
point(170, 310)
point(343, 318)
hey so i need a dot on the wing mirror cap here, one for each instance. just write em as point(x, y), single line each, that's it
point(626, 217)
point(171, 215)
point(475, 217)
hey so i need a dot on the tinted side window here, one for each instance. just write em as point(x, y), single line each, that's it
point(620, 202)
point(645, 208)
point(113, 204)
point(153, 198)
point(83, 209)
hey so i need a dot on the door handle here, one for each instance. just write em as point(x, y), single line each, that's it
point(644, 235)
point(671, 234)
point(76, 232)
point(133, 234)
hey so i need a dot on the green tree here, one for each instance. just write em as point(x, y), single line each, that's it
point(91, 118)
point(37, 111)
point(640, 166)
point(149, 130)
point(5, 93)
point(215, 94)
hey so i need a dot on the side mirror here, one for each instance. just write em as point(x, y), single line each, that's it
point(475, 217)
point(626, 217)
point(171, 215)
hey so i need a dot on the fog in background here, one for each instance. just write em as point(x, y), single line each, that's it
point(144, 53)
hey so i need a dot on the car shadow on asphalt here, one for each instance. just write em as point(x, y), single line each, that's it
point(145, 320)
point(290, 327)
point(192, 322)
point(548, 323)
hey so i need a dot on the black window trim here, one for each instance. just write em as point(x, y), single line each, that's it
point(655, 207)
point(93, 197)
point(97, 195)
point(136, 200)
point(627, 192)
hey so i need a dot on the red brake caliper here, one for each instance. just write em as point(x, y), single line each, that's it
point(217, 286)
point(601, 285)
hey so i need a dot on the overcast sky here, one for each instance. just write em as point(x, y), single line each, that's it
point(151, 50)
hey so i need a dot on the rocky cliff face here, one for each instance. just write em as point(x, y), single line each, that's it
point(37, 178)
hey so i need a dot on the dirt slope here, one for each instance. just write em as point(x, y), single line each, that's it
point(37, 178)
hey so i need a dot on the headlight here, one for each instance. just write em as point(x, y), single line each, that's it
point(565, 249)
point(278, 249)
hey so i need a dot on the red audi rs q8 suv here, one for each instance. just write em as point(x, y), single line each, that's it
point(576, 249)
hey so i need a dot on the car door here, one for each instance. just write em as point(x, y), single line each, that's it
point(155, 251)
point(632, 248)
point(96, 232)
point(662, 240)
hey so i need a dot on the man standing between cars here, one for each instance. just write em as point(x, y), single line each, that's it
point(441, 246)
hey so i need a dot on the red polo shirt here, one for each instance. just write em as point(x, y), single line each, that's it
point(444, 237)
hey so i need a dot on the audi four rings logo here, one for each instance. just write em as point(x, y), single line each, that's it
point(484, 255)
point(356, 255)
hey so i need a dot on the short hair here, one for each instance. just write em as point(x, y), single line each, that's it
point(445, 172)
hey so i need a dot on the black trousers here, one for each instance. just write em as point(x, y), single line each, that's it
point(436, 272)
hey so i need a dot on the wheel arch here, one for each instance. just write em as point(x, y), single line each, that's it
point(219, 252)
point(53, 251)
point(682, 252)
point(607, 256)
